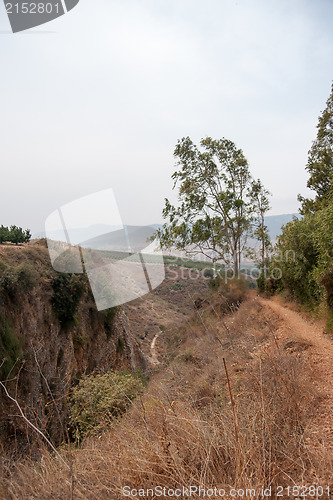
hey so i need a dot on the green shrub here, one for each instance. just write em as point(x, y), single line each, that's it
point(109, 317)
point(100, 399)
point(10, 347)
point(67, 292)
point(208, 273)
point(176, 286)
point(16, 280)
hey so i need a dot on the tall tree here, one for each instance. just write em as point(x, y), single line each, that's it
point(215, 193)
point(320, 161)
point(261, 206)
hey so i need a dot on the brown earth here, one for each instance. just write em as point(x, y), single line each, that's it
point(169, 304)
point(307, 334)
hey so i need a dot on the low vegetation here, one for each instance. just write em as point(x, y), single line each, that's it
point(67, 293)
point(16, 280)
point(98, 400)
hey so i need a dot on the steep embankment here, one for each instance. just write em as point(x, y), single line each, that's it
point(50, 335)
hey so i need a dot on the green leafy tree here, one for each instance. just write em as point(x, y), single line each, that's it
point(4, 234)
point(261, 205)
point(18, 235)
point(308, 275)
point(296, 257)
point(320, 161)
point(216, 208)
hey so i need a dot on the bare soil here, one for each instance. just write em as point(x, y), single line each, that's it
point(308, 334)
point(169, 304)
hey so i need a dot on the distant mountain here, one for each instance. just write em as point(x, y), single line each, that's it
point(275, 223)
point(129, 239)
point(101, 235)
point(78, 235)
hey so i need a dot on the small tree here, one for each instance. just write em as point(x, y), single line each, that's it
point(4, 234)
point(18, 235)
point(216, 205)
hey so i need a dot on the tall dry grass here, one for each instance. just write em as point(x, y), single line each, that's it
point(192, 427)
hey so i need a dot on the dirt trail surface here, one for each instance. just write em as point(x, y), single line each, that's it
point(154, 358)
point(320, 354)
point(169, 304)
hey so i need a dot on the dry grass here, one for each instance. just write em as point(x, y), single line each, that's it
point(183, 431)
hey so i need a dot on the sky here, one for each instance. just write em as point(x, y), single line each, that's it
point(98, 99)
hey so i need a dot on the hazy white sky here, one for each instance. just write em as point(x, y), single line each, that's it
point(99, 97)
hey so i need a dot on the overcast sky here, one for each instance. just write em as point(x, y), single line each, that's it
point(99, 97)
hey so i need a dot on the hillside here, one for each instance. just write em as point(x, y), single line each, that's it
point(240, 398)
point(50, 336)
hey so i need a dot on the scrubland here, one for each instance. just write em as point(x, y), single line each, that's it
point(233, 403)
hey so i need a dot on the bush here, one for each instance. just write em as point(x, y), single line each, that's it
point(100, 399)
point(67, 292)
point(109, 317)
point(15, 280)
point(208, 273)
point(10, 347)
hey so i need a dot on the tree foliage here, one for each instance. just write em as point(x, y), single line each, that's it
point(4, 234)
point(304, 256)
point(14, 235)
point(296, 258)
point(217, 201)
point(261, 205)
point(304, 251)
point(320, 161)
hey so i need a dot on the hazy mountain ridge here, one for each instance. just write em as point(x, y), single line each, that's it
point(79, 235)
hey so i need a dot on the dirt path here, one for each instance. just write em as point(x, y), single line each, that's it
point(320, 354)
point(154, 359)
